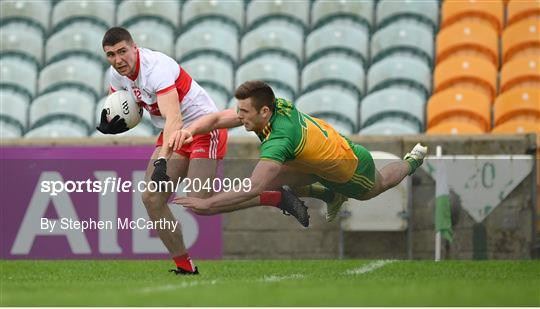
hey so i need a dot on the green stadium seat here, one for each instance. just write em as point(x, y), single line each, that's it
point(24, 38)
point(273, 38)
point(230, 11)
point(102, 11)
point(154, 34)
point(324, 10)
point(13, 112)
point(390, 126)
point(168, 11)
point(60, 127)
point(18, 71)
point(296, 13)
point(426, 12)
point(211, 70)
point(35, 12)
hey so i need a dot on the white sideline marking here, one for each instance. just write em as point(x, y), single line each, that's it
point(170, 287)
point(281, 278)
point(369, 267)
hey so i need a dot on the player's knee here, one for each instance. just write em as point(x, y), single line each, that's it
point(152, 200)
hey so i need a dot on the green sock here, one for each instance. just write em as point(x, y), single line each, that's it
point(413, 165)
point(316, 191)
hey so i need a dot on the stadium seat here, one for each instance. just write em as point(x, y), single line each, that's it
point(468, 38)
point(35, 12)
point(455, 128)
point(20, 72)
point(360, 11)
point(338, 70)
point(394, 103)
point(241, 132)
point(9, 130)
point(518, 10)
point(153, 34)
point(339, 124)
point(21, 37)
point(271, 37)
point(220, 98)
point(102, 11)
point(521, 103)
point(76, 37)
point(278, 71)
point(522, 71)
point(426, 12)
point(209, 37)
point(330, 102)
point(165, 11)
point(457, 104)
point(403, 70)
point(490, 11)
point(391, 126)
point(213, 70)
point(338, 38)
point(521, 39)
point(67, 73)
point(13, 111)
point(466, 71)
point(261, 11)
point(402, 37)
point(67, 104)
point(231, 11)
point(58, 128)
point(517, 127)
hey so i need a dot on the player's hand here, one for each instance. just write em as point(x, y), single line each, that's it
point(192, 202)
point(179, 138)
point(115, 126)
point(160, 171)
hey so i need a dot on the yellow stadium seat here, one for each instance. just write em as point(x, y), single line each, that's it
point(517, 127)
point(521, 38)
point(517, 10)
point(468, 38)
point(491, 11)
point(459, 105)
point(455, 128)
point(521, 103)
point(523, 71)
point(466, 71)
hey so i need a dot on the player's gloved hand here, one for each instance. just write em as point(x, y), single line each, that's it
point(160, 170)
point(115, 126)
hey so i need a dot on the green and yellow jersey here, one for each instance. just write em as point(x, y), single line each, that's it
point(308, 144)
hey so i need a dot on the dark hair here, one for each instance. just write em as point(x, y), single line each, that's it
point(260, 93)
point(115, 35)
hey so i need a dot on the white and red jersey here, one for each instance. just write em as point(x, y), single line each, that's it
point(157, 73)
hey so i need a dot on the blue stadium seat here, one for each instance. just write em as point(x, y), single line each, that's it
point(399, 105)
point(329, 102)
point(402, 38)
point(400, 70)
point(154, 34)
point(13, 112)
point(102, 11)
point(278, 71)
point(211, 70)
point(338, 37)
point(339, 70)
point(68, 73)
point(165, 11)
point(19, 72)
point(35, 12)
point(425, 12)
point(296, 13)
point(22, 37)
point(231, 12)
point(326, 10)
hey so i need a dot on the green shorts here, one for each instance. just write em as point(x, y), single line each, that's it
point(363, 178)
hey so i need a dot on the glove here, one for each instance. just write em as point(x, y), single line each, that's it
point(160, 171)
point(115, 126)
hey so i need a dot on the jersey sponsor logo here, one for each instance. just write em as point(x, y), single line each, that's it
point(199, 150)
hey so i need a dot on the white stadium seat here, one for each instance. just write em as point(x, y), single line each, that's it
point(21, 37)
point(36, 11)
point(211, 36)
point(273, 69)
point(402, 37)
point(58, 128)
point(128, 10)
point(211, 69)
point(393, 103)
point(76, 37)
point(67, 103)
point(217, 95)
point(74, 70)
point(324, 10)
point(274, 37)
point(14, 110)
point(103, 11)
point(334, 69)
point(19, 71)
point(425, 11)
point(348, 38)
point(259, 11)
point(154, 35)
point(9, 130)
point(329, 101)
point(402, 70)
point(339, 124)
point(194, 11)
point(390, 126)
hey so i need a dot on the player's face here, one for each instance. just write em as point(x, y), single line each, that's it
point(122, 57)
point(252, 119)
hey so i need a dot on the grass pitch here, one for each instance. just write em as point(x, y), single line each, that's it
point(271, 283)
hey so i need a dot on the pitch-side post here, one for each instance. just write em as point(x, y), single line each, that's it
point(438, 233)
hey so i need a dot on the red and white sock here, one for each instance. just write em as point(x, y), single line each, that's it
point(270, 198)
point(184, 262)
